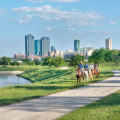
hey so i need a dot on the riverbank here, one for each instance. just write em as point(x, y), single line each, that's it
point(10, 72)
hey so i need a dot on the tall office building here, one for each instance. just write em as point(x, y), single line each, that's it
point(108, 43)
point(29, 45)
point(52, 48)
point(44, 46)
point(77, 45)
point(37, 47)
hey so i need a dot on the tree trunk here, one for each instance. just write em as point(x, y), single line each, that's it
point(102, 65)
point(116, 64)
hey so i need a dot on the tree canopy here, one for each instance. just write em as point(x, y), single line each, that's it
point(102, 55)
point(75, 60)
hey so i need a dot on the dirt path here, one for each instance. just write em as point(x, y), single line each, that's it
point(64, 68)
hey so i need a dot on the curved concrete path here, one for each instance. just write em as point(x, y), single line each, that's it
point(56, 105)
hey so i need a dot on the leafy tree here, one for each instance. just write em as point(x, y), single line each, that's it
point(102, 55)
point(14, 63)
point(17, 63)
point(57, 61)
point(31, 63)
point(109, 55)
point(37, 62)
point(0, 61)
point(48, 61)
point(116, 59)
point(6, 60)
point(25, 61)
point(75, 60)
point(98, 56)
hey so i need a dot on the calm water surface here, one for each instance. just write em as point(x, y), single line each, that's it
point(12, 80)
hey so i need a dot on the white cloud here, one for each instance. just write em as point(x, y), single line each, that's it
point(100, 33)
point(24, 19)
point(112, 22)
point(51, 29)
point(2, 12)
point(47, 12)
point(39, 1)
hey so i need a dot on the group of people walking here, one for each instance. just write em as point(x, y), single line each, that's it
point(87, 67)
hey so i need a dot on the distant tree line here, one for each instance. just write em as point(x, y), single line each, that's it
point(34, 62)
point(102, 55)
point(48, 61)
point(5, 60)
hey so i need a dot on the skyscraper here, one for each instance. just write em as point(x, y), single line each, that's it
point(77, 45)
point(29, 45)
point(44, 46)
point(37, 47)
point(108, 43)
point(52, 48)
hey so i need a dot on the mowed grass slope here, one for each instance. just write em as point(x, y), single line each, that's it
point(45, 81)
point(107, 108)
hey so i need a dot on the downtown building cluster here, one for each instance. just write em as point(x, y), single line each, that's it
point(36, 48)
point(80, 50)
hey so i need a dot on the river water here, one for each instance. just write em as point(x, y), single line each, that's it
point(12, 80)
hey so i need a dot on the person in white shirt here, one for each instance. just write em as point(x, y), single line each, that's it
point(91, 67)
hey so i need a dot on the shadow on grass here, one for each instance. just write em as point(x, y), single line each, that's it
point(47, 87)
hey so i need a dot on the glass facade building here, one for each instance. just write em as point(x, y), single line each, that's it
point(37, 47)
point(29, 45)
point(52, 48)
point(77, 45)
point(44, 46)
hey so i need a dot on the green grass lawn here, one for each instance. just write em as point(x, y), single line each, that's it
point(107, 108)
point(109, 66)
point(45, 81)
point(21, 67)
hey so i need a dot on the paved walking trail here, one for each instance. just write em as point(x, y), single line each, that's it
point(55, 105)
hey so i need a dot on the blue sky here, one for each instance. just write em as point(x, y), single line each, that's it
point(91, 21)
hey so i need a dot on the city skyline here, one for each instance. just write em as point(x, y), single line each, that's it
point(62, 21)
point(34, 47)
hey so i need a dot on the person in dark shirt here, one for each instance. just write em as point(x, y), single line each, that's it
point(86, 67)
point(96, 67)
point(80, 66)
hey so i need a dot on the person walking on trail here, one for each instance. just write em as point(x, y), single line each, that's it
point(80, 66)
point(86, 67)
point(91, 67)
point(96, 67)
